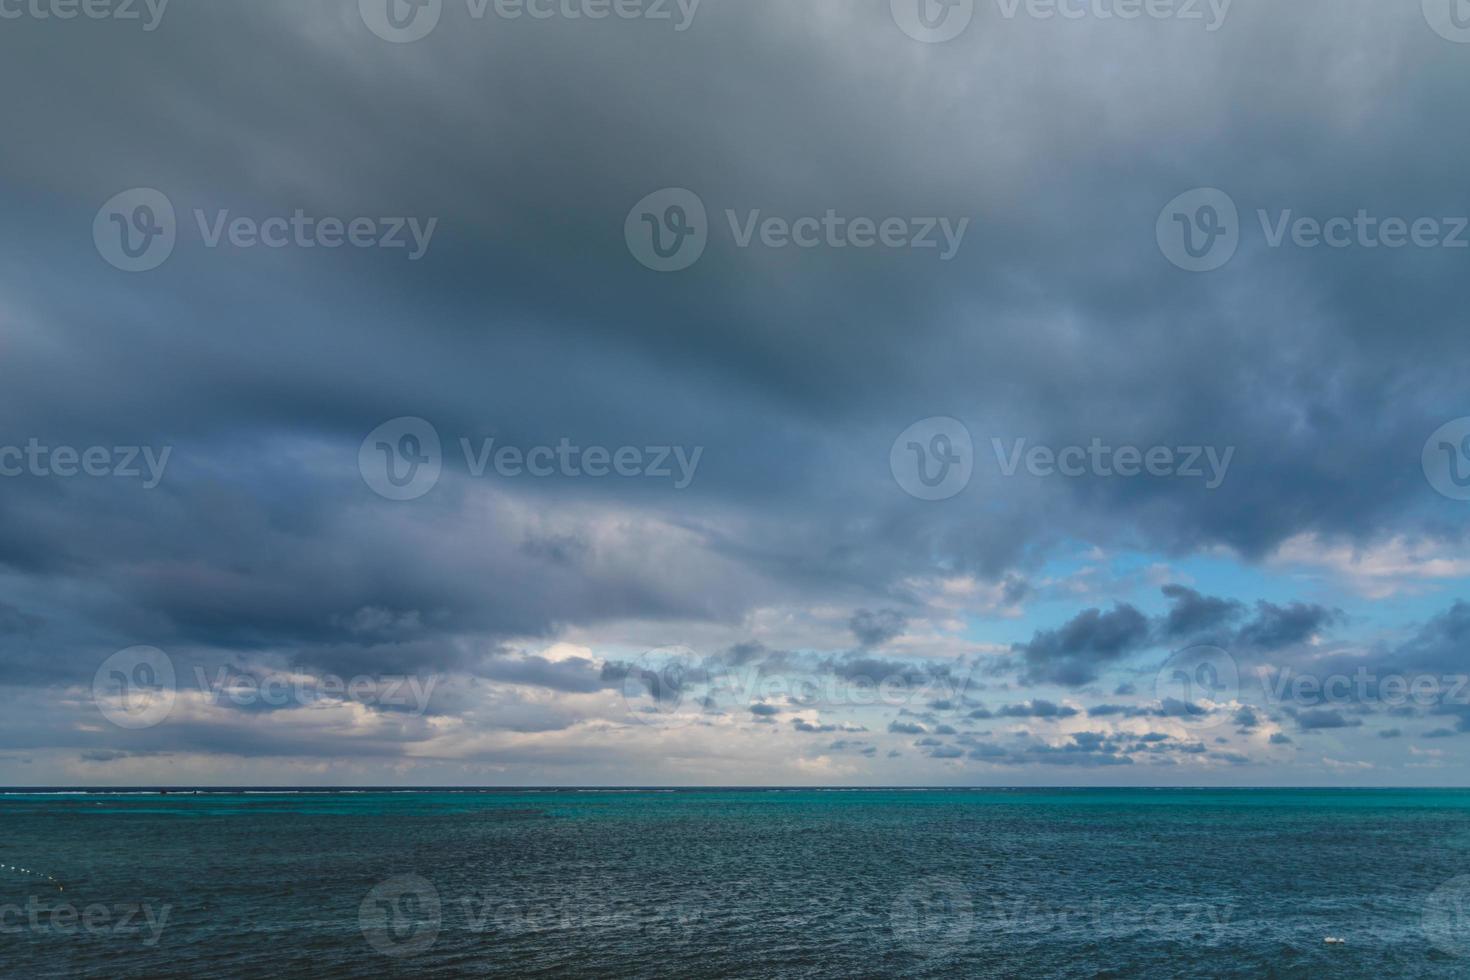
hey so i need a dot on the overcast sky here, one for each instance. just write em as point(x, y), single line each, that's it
point(735, 392)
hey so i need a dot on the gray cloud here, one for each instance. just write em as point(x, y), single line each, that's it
point(1075, 653)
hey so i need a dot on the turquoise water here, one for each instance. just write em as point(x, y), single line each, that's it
point(994, 883)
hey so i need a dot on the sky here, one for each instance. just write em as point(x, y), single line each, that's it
point(846, 392)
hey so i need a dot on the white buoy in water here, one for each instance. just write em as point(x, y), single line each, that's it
point(1334, 941)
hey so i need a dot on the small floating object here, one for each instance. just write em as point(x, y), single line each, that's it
point(1334, 941)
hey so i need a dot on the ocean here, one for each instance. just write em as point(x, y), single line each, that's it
point(736, 883)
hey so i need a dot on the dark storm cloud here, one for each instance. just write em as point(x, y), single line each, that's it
point(1441, 643)
point(1058, 322)
point(873, 629)
point(1075, 653)
point(872, 670)
point(1039, 708)
point(1275, 627)
point(1272, 627)
point(1193, 614)
point(247, 382)
point(1323, 719)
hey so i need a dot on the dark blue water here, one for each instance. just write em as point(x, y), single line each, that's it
point(1091, 883)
